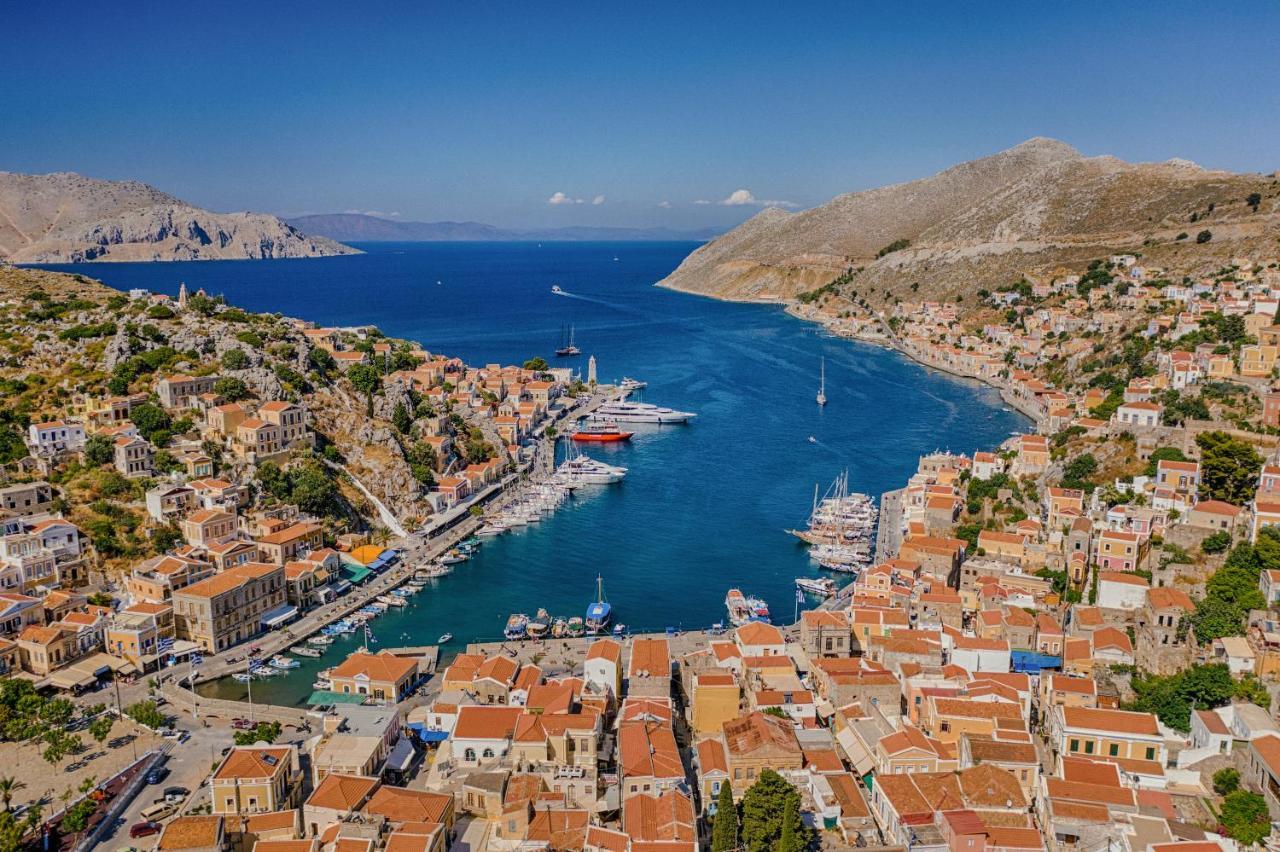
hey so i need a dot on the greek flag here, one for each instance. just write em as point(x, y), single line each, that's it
point(196, 659)
point(799, 596)
point(166, 644)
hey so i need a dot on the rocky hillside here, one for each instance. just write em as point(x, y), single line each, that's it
point(69, 218)
point(1032, 208)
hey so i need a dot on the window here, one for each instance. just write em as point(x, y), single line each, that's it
point(488, 753)
point(1151, 753)
point(1088, 747)
point(1113, 750)
point(1075, 745)
point(469, 754)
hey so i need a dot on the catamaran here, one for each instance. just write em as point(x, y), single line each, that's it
point(822, 384)
point(599, 612)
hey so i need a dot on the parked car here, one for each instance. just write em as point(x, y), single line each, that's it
point(144, 829)
point(176, 792)
point(242, 724)
point(155, 776)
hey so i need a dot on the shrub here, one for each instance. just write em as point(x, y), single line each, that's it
point(1204, 236)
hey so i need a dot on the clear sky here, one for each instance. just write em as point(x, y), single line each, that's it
point(489, 111)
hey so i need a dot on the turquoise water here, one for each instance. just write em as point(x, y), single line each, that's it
point(704, 506)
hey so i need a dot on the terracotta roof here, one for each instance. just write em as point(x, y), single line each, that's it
point(1116, 721)
point(560, 829)
point(665, 817)
point(711, 756)
point(1121, 577)
point(230, 579)
point(652, 656)
point(758, 730)
point(399, 804)
point(291, 533)
point(1268, 748)
point(1213, 722)
point(245, 762)
point(342, 792)
point(377, 667)
point(498, 667)
point(477, 722)
point(648, 749)
point(1163, 597)
point(191, 832)
point(1216, 507)
point(605, 649)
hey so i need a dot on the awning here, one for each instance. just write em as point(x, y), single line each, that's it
point(356, 573)
point(426, 734)
point(279, 615)
point(340, 587)
point(383, 559)
point(402, 755)
point(72, 679)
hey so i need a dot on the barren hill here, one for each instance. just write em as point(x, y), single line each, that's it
point(1038, 205)
point(68, 218)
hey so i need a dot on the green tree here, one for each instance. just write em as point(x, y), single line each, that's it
point(1253, 200)
point(1217, 542)
point(402, 419)
point(322, 361)
point(766, 808)
point(364, 379)
point(724, 832)
point(1172, 698)
point(538, 365)
point(1245, 817)
point(166, 538)
point(235, 359)
point(1226, 781)
point(265, 732)
point(1229, 467)
point(231, 388)
point(1077, 472)
point(146, 713)
point(422, 460)
point(151, 420)
point(8, 786)
point(98, 450)
point(100, 728)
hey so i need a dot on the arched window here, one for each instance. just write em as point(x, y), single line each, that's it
point(470, 754)
point(488, 752)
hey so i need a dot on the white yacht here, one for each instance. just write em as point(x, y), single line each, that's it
point(591, 472)
point(640, 412)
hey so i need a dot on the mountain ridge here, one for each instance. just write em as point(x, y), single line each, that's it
point(361, 227)
point(65, 217)
point(1040, 204)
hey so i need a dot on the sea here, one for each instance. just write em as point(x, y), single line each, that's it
point(704, 506)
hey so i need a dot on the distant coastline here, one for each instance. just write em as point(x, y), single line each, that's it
point(361, 228)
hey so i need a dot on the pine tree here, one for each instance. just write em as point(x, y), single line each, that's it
point(724, 833)
point(787, 843)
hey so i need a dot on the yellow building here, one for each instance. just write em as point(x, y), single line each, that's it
point(228, 608)
point(257, 779)
point(1257, 361)
point(1089, 732)
point(716, 698)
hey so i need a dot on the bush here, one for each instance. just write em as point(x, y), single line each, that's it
point(1245, 817)
point(235, 359)
point(146, 713)
point(1226, 781)
point(1216, 543)
point(896, 245)
point(230, 388)
point(1204, 236)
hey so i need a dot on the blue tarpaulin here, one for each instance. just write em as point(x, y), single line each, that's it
point(1031, 662)
point(427, 735)
point(384, 559)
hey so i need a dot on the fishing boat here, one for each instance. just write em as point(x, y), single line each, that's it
point(555, 290)
point(538, 625)
point(821, 586)
point(304, 651)
point(605, 432)
point(444, 638)
point(559, 628)
point(517, 626)
point(640, 412)
point(320, 640)
point(743, 609)
point(242, 677)
point(822, 384)
point(576, 627)
point(280, 662)
point(567, 347)
point(599, 612)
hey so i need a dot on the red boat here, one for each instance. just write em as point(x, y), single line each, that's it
point(605, 433)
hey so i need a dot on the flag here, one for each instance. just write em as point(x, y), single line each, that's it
point(799, 596)
point(196, 660)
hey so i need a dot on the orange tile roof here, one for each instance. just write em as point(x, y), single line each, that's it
point(651, 656)
point(757, 730)
point(243, 762)
point(291, 533)
point(380, 667)
point(648, 749)
point(1115, 721)
point(191, 832)
point(605, 649)
point(666, 817)
point(342, 792)
point(711, 756)
point(228, 580)
point(499, 667)
point(476, 722)
point(400, 804)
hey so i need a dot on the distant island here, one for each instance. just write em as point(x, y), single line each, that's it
point(357, 227)
point(69, 218)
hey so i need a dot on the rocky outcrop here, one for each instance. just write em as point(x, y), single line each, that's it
point(68, 218)
point(1036, 206)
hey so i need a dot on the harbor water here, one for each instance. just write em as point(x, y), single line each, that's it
point(704, 506)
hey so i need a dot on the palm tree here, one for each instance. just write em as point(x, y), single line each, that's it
point(8, 786)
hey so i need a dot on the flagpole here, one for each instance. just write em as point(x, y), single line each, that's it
point(248, 669)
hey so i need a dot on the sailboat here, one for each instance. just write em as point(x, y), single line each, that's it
point(598, 611)
point(568, 348)
point(822, 384)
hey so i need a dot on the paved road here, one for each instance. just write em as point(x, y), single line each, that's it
point(889, 532)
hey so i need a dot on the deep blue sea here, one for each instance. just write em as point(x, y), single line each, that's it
point(704, 506)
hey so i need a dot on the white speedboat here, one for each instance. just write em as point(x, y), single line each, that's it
point(320, 640)
point(821, 586)
point(490, 530)
point(445, 638)
point(629, 384)
point(555, 289)
point(284, 663)
point(242, 677)
point(640, 412)
point(304, 651)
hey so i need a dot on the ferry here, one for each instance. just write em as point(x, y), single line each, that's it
point(599, 612)
point(743, 609)
point(639, 412)
point(823, 587)
point(606, 432)
point(516, 627)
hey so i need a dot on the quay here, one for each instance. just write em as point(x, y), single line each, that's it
point(415, 551)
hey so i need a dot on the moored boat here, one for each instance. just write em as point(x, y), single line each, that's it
point(576, 627)
point(281, 662)
point(821, 586)
point(538, 625)
point(304, 651)
point(639, 412)
point(517, 626)
point(444, 638)
point(599, 612)
point(605, 432)
point(320, 640)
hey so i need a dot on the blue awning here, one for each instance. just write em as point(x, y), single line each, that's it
point(427, 735)
point(1031, 662)
point(383, 559)
point(279, 615)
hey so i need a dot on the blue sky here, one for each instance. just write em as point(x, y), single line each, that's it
point(483, 110)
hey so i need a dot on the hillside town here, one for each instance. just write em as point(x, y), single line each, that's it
point(1069, 641)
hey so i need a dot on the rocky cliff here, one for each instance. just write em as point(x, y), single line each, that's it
point(69, 218)
point(1033, 207)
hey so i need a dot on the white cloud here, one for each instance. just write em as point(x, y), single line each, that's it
point(378, 213)
point(744, 198)
point(561, 198)
point(666, 205)
point(598, 200)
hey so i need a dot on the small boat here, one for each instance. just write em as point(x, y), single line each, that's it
point(559, 628)
point(444, 638)
point(490, 530)
point(242, 677)
point(812, 440)
point(321, 685)
point(304, 651)
point(743, 609)
point(822, 384)
point(629, 384)
point(391, 600)
point(821, 586)
point(555, 289)
point(538, 625)
point(280, 662)
point(516, 626)
point(606, 432)
point(576, 627)
point(619, 629)
point(598, 611)
point(320, 640)
point(265, 671)
point(453, 557)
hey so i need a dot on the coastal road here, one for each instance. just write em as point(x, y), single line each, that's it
point(889, 531)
